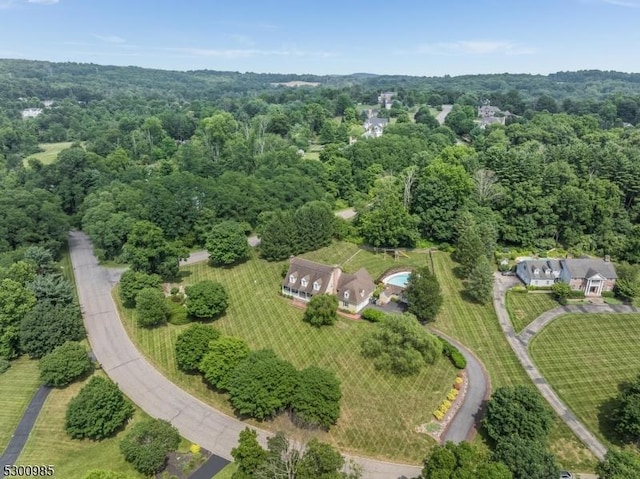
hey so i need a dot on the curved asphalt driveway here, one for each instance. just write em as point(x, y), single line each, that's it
point(500, 286)
point(149, 389)
point(466, 422)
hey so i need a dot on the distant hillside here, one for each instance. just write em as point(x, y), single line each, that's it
point(89, 82)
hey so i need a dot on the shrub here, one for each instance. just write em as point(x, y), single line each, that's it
point(520, 288)
point(192, 344)
point(206, 300)
point(4, 365)
point(458, 360)
point(177, 313)
point(151, 308)
point(321, 310)
point(453, 394)
point(221, 359)
point(64, 364)
point(608, 294)
point(98, 410)
point(458, 380)
point(132, 282)
point(576, 294)
point(457, 386)
point(372, 315)
point(146, 446)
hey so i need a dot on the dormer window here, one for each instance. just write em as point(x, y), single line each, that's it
point(292, 278)
point(304, 283)
point(536, 271)
point(316, 286)
point(346, 295)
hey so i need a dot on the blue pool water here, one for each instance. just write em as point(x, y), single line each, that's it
point(398, 279)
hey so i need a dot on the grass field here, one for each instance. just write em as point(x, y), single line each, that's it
point(17, 386)
point(477, 327)
point(525, 307)
point(49, 443)
point(379, 412)
point(50, 152)
point(227, 472)
point(585, 357)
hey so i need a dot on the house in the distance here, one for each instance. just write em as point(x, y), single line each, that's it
point(31, 112)
point(589, 275)
point(386, 99)
point(489, 115)
point(305, 279)
point(373, 127)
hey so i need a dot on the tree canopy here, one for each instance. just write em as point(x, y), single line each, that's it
point(423, 295)
point(400, 345)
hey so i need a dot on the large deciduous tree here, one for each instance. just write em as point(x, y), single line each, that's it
point(453, 461)
point(619, 464)
point(132, 282)
point(15, 302)
point(626, 415)
point(262, 385)
point(316, 401)
point(192, 344)
point(206, 300)
point(527, 458)
point(400, 345)
point(227, 243)
point(98, 411)
point(147, 444)
point(147, 250)
point(518, 411)
point(423, 295)
point(248, 455)
point(221, 359)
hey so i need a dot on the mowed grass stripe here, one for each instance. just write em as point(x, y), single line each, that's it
point(525, 307)
point(585, 357)
point(379, 412)
point(17, 386)
point(477, 327)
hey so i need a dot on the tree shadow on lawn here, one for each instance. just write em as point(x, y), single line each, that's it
point(458, 273)
point(606, 421)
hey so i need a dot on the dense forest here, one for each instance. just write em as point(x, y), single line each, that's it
point(186, 150)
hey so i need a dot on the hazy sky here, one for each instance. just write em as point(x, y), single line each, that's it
point(328, 36)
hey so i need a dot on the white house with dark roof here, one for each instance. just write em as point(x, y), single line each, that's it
point(373, 127)
point(589, 275)
point(305, 279)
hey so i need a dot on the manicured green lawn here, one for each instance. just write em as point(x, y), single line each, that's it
point(525, 307)
point(17, 386)
point(585, 357)
point(227, 472)
point(379, 412)
point(477, 327)
point(49, 443)
point(50, 153)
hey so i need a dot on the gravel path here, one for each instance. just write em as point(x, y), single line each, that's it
point(149, 389)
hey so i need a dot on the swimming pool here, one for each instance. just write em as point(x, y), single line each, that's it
point(398, 279)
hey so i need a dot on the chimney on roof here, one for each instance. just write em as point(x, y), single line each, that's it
point(607, 258)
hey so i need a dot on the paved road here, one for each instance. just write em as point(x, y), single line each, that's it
point(149, 389)
point(466, 422)
point(500, 286)
point(21, 434)
point(446, 109)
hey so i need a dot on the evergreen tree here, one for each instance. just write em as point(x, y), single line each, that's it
point(423, 295)
point(480, 282)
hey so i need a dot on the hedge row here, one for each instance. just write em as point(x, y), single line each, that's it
point(454, 354)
